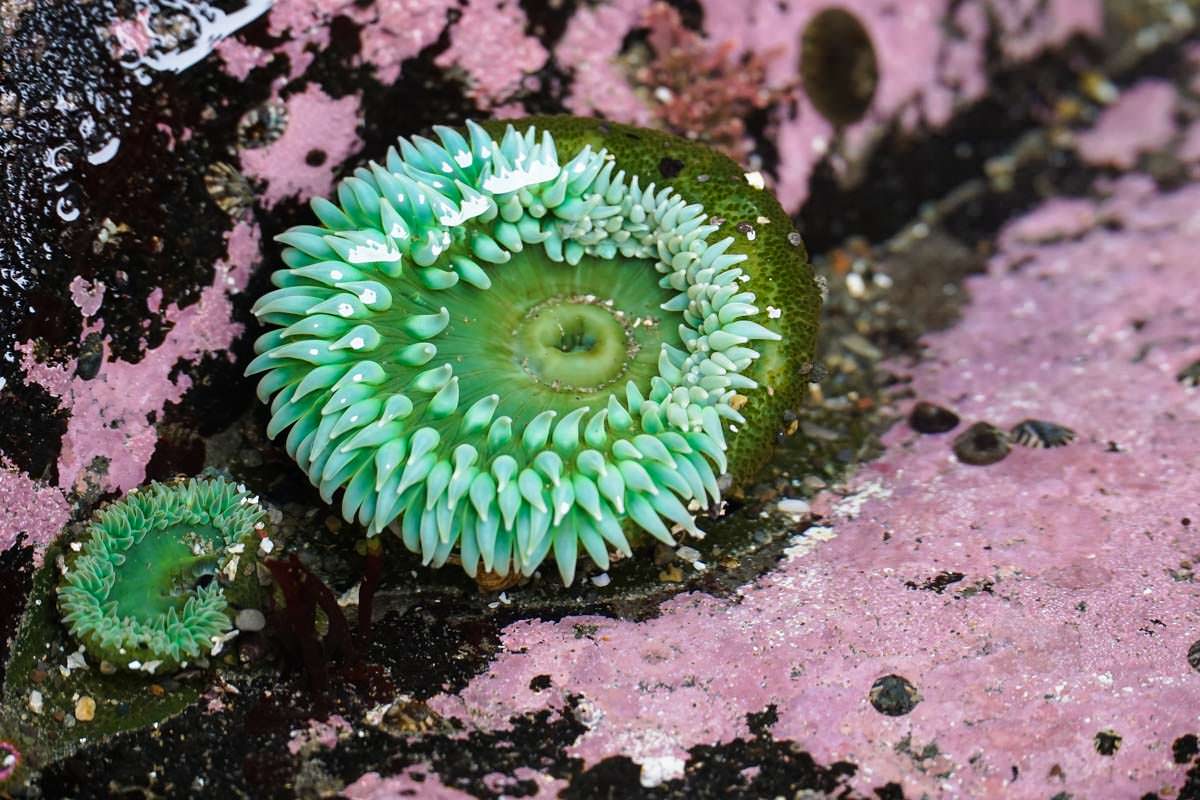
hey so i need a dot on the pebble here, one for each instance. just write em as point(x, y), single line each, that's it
point(36, 703)
point(250, 619)
point(601, 580)
point(791, 505)
point(688, 554)
point(85, 709)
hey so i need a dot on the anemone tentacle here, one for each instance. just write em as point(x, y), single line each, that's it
point(147, 590)
point(488, 349)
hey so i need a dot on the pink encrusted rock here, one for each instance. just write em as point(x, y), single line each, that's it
point(1141, 120)
point(931, 62)
point(588, 48)
point(317, 123)
point(240, 58)
point(489, 42)
point(391, 32)
point(132, 36)
point(414, 782)
point(1060, 218)
point(1189, 148)
point(87, 296)
point(500, 783)
point(319, 734)
point(931, 56)
point(1031, 26)
point(401, 30)
point(1067, 620)
point(925, 72)
point(110, 414)
point(29, 507)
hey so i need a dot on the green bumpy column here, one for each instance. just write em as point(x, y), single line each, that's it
point(534, 337)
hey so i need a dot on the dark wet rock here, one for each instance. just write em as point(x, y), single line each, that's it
point(1107, 743)
point(761, 766)
point(938, 583)
point(1185, 748)
point(1190, 375)
point(670, 167)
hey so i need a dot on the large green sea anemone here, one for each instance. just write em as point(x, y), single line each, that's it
point(511, 343)
point(150, 588)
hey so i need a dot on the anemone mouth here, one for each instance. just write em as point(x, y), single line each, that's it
point(495, 353)
point(577, 344)
point(144, 591)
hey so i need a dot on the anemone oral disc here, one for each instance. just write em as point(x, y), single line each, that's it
point(579, 326)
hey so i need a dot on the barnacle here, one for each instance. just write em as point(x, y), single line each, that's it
point(1039, 433)
point(151, 587)
point(511, 344)
point(228, 188)
point(262, 124)
point(981, 444)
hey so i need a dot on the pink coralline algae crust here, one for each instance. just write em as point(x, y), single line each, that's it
point(319, 734)
point(931, 56)
point(1142, 119)
point(488, 41)
point(1030, 26)
point(86, 296)
point(110, 414)
point(392, 31)
point(925, 71)
point(490, 44)
point(589, 48)
point(1058, 218)
point(415, 782)
point(1189, 148)
point(241, 58)
point(1073, 623)
point(30, 507)
point(501, 784)
point(931, 60)
point(131, 36)
point(316, 122)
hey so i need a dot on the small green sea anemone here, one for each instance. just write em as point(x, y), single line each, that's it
point(508, 343)
point(150, 588)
